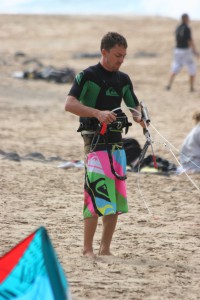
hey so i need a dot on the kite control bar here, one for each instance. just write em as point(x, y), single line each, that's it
point(145, 113)
point(146, 119)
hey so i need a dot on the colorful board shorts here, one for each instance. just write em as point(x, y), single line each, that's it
point(104, 194)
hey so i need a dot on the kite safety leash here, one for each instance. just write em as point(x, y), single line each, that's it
point(103, 131)
point(146, 119)
point(144, 115)
point(169, 146)
point(149, 142)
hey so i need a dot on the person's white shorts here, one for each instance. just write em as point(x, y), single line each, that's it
point(184, 57)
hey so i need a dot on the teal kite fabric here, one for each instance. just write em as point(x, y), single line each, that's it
point(31, 271)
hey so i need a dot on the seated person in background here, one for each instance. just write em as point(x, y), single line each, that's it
point(190, 150)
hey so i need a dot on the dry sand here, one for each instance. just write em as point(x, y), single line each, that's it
point(155, 258)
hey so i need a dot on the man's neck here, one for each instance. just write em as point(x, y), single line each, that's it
point(104, 66)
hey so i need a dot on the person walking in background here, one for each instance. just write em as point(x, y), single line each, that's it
point(96, 97)
point(184, 52)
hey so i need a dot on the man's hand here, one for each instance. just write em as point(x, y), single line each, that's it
point(141, 122)
point(137, 116)
point(106, 116)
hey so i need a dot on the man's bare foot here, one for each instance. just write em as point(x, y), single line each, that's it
point(105, 253)
point(89, 254)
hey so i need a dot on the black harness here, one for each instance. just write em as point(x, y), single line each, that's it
point(105, 136)
point(102, 130)
point(92, 124)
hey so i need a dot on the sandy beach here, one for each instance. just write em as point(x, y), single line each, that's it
point(156, 252)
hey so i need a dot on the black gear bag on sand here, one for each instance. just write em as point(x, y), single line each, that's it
point(132, 149)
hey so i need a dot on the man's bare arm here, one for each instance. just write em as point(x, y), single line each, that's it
point(74, 106)
point(137, 115)
point(192, 45)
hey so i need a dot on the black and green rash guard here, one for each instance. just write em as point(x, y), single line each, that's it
point(104, 90)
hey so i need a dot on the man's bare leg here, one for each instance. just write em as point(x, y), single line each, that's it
point(168, 87)
point(192, 83)
point(90, 225)
point(109, 224)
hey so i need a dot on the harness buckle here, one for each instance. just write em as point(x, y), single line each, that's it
point(119, 125)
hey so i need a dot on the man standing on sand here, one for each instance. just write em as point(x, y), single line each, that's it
point(184, 52)
point(96, 97)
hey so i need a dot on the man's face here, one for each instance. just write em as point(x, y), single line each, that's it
point(113, 58)
point(186, 20)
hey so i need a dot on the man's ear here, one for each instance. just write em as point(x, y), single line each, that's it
point(103, 52)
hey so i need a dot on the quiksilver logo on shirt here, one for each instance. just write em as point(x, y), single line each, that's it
point(79, 77)
point(111, 92)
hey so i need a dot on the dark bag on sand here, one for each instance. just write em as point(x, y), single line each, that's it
point(132, 149)
point(163, 164)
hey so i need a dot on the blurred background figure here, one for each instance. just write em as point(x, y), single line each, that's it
point(190, 150)
point(184, 52)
